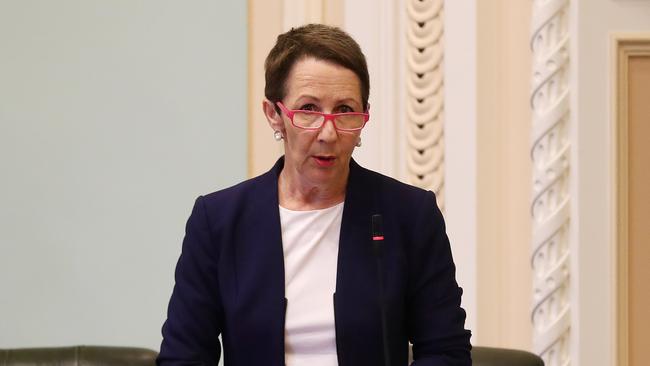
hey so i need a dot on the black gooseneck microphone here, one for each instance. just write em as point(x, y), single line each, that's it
point(377, 247)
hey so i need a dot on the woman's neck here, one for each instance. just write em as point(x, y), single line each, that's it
point(296, 193)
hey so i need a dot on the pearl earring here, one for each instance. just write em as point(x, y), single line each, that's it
point(359, 142)
point(277, 135)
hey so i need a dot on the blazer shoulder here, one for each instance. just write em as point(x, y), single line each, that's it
point(263, 186)
point(394, 191)
point(240, 201)
point(235, 192)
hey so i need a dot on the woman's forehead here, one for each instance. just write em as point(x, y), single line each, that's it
point(319, 78)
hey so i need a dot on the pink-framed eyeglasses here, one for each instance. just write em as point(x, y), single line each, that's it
point(312, 120)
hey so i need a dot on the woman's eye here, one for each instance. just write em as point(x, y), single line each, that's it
point(308, 107)
point(345, 109)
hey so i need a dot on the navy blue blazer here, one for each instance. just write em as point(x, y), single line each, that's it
point(230, 279)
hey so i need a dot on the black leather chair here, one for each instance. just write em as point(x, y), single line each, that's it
point(488, 356)
point(78, 356)
point(128, 356)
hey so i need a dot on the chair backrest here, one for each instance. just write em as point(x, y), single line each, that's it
point(488, 356)
point(129, 356)
point(78, 356)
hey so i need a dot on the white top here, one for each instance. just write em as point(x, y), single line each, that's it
point(310, 240)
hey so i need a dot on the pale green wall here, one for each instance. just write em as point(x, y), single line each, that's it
point(114, 116)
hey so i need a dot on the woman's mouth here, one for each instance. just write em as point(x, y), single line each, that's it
point(324, 161)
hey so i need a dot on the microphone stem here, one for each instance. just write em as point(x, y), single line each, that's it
point(382, 304)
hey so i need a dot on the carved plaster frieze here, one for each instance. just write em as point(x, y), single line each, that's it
point(424, 101)
point(550, 149)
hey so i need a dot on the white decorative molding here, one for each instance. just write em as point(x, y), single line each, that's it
point(550, 149)
point(378, 27)
point(461, 151)
point(424, 99)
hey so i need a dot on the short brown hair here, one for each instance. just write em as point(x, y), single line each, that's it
point(320, 41)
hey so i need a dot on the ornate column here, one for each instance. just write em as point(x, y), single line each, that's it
point(424, 102)
point(550, 149)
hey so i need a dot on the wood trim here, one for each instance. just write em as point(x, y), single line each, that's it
point(264, 25)
point(624, 46)
point(504, 170)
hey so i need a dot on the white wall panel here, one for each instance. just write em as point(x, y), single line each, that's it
point(460, 146)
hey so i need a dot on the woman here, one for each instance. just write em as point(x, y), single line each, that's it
point(295, 266)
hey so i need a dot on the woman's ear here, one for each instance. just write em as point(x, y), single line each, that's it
point(272, 116)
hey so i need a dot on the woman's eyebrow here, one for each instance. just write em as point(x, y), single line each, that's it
point(308, 97)
point(347, 100)
point(303, 98)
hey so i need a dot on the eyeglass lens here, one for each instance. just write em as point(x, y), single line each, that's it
point(313, 120)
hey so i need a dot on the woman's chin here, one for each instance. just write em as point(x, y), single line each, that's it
point(326, 176)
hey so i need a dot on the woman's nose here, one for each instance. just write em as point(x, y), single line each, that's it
point(327, 132)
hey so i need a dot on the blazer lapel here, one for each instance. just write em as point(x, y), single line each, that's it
point(259, 263)
point(356, 298)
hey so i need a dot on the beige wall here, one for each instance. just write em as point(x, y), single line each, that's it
point(504, 174)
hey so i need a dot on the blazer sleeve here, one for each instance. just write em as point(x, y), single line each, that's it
point(194, 316)
point(435, 319)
